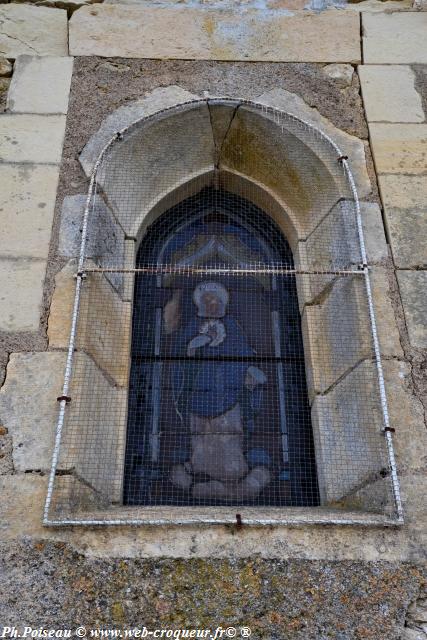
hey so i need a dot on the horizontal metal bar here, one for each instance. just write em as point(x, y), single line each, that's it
point(155, 270)
point(284, 359)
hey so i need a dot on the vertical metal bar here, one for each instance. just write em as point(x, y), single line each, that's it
point(278, 353)
point(156, 390)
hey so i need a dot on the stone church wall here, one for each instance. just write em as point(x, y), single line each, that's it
point(305, 582)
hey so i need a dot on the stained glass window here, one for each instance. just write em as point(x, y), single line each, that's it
point(218, 408)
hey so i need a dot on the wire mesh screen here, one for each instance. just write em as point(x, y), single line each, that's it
point(222, 355)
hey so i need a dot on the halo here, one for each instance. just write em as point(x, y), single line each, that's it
point(210, 287)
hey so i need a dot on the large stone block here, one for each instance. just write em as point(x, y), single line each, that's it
point(406, 416)
point(332, 246)
point(95, 429)
point(389, 93)
point(187, 33)
point(157, 100)
point(403, 191)
point(104, 326)
point(413, 290)
point(26, 29)
point(387, 331)
point(139, 174)
point(104, 329)
point(27, 202)
point(40, 85)
point(61, 307)
point(335, 245)
point(277, 155)
point(31, 138)
point(349, 145)
point(347, 423)
point(404, 199)
point(21, 294)
point(105, 239)
point(337, 331)
point(28, 406)
point(395, 38)
point(337, 334)
point(399, 148)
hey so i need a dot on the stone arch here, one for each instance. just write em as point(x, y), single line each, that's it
point(293, 164)
point(293, 171)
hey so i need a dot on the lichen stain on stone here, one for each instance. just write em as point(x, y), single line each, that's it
point(209, 25)
point(118, 612)
point(250, 149)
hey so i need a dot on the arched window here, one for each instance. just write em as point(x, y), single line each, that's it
point(223, 349)
point(218, 406)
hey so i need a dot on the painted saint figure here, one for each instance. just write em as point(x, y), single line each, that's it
point(216, 396)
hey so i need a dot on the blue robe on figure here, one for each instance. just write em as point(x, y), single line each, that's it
point(209, 385)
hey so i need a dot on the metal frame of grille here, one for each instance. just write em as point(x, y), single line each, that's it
point(308, 277)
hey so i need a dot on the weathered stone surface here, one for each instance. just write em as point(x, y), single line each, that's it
point(387, 331)
point(157, 100)
point(178, 593)
point(406, 416)
point(188, 137)
point(21, 294)
point(407, 229)
point(25, 29)
point(68, 5)
point(347, 426)
point(105, 240)
point(336, 334)
point(27, 201)
point(395, 38)
point(379, 6)
point(341, 73)
point(373, 232)
point(95, 436)
point(403, 191)
point(40, 85)
point(4, 88)
point(399, 148)
point(350, 145)
point(61, 308)
point(404, 199)
point(413, 290)
point(28, 406)
point(131, 32)
point(5, 67)
point(104, 322)
point(389, 94)
point(273, 6)
point(31, 138)
point(6, 461)
point(335, 245)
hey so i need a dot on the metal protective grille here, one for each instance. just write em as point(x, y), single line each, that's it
point(223, 355)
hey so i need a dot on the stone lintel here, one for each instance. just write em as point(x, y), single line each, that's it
point(187, 33)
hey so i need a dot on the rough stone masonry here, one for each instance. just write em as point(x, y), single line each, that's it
point(65, 66)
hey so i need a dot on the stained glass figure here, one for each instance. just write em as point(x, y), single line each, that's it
point(218, 409)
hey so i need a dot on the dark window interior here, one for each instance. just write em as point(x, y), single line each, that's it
point(218, 410)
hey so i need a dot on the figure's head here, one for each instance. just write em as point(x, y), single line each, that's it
point(211, 299)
